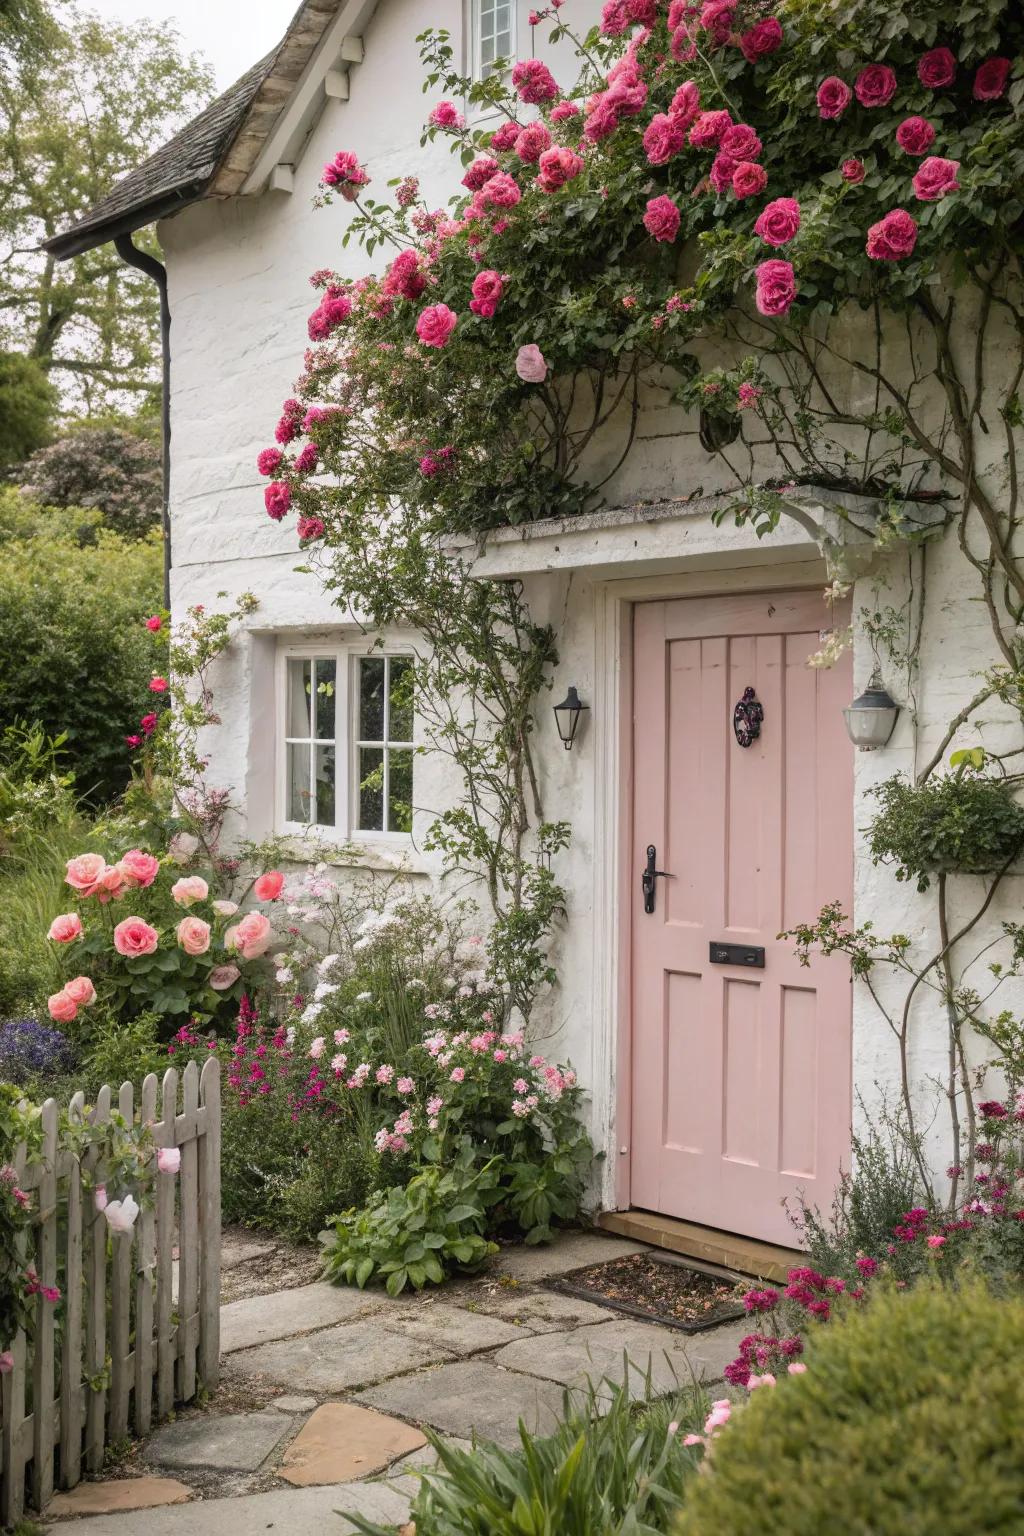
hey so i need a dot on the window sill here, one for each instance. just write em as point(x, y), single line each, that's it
point(383, 857)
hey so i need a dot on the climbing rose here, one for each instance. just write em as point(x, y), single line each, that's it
point(990, 81)
point(853, 171)
point(530, 364)
point(936, 68)
point(481, 170)
point(875, 86)
point(557, 166)
point(188, 890)
point(135, 937)
point(563, 110)
point(709, 128)
point(834, 96)
point(741, 142)
point(268, 460)
point(501, 191)
point(749, 178)
point(158, 685)
point(717, 20)
point(487, 291)
point(346, 173)
point(893, 237)
point(121, 1214)
point(310, 528)
point(720, 174)
point(614, 18)
point(447, 115)
point(532, 143)
point(685, 104)
point(662, 219)
point(779, 221)
point(505, 136)
point(277, 498)
point(916, 135)
point(935, 178)
point(435, 325)
point(761, 39)
point(61, 1007)
point(155, 623)
point(663, 138)
point(193, 935)
point(269, 886)
point(66, 928)
point(534, 82)
point(138, 868)
point(405, 276)
point(307, 460)
point(776, 287)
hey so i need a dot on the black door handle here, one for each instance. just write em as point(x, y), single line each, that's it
point(650, 875)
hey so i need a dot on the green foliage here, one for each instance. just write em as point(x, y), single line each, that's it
point(904, 1424)
point(118, 472)
point(615, 1466)
point(27, 405)
point(117, 1051)
point(960, 823)
point(19, 1125)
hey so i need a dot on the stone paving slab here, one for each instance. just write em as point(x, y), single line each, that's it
point(282, 1315)
point(337, 1359)
point(571, 1250)
point(342, 1441)
point(289, 1404)
point(115, 1494)
point(545, 1311)
point(462, 1330)
point(471, 1395)
point(600, 1352)
point(286, 1512)
point(233, 1442)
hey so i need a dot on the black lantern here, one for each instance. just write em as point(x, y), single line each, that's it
point(567, 717)
point(871, 718)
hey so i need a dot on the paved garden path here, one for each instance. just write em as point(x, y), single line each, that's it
point(325, 1390)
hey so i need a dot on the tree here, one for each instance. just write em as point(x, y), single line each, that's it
point(106, 98)
point(27, 404)
point(116, 471)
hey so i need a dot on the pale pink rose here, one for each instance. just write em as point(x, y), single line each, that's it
point(251, 937)
point(224, 908)
point(530, 364)
point(99, 1197)
point(168, 1159)
point(81, 991)
point(193, 935)
point(66, 928)
point(85, 872)
point(61, 1007)
point(796, 1368)
point(135, 937)
point(936, 178)
point(269, 886)
point(112, 884)
point(779, 221)
point(190, 889)
point(138, 868)
point(436, 324)
point(776, 287)
point(224, 976)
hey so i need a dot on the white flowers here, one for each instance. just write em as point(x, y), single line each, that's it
point(324, 989)
point(311, 1013)
point(121, 1214)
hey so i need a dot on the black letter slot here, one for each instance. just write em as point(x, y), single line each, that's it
point(737, 954)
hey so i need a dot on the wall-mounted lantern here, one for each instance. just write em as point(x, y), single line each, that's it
point(567, 717)
point(871, 718)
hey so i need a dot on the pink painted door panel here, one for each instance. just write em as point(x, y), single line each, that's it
point(740, 1076)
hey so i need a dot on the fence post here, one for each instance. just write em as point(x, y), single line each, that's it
point(145, 1263)
point(71, 1354)
point(209, 1227)
point(42, 1346)
point(188, 1234)
point(96, 1314)
point(164, 1253)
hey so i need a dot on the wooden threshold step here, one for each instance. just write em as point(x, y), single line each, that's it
point(766, 1261)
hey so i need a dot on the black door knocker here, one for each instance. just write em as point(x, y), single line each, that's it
point(747, 717)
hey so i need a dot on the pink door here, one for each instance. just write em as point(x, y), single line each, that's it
point(740, 1070)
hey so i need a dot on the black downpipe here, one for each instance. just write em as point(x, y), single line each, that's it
point(158, 272)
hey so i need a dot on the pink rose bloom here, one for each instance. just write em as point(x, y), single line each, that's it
point(168, 1159)
point(81, 991)
point(936, 68)
point(936, 178)
point(779, 221)
point(834, 96)
point(875, 86)
point(458, 1074)
point(6, 1362)
point(501, 191)
point(534, 82)
point(487, 290)
point(708, 129)
point(345, 173)
point(558, 166)
point(663, 138)
point(447, 115)
point(135, 937)
point(532, 143)
point(307, 460)
point(796, 1368)
point(762, 38)
point(530, 364)
point(85, 872)
point(717, 20)
point(112, 884)
point(721, 172)
point(193, 935)
point(614, 18)
point(269, 886)
point(277, 498)
point(990, 81)
point(916, 135)
point(154, 624)
point(435, 325)
point(563, 110)
point(685, 104)
point(139, 869)
point(935, 1241)
point(893, 237)
point(749, 178)
point(61, 1007)
point(189, 889)
point(747, 396)
point(224, 976)
point(66, 928)
point(662, 219)
point(251, 937)
point(505, 136)
point(224, 908)
point(481, 170)
point(741, 142)
point(776, 287)
point(853, 171)
point(310, 528)
point(268, 461)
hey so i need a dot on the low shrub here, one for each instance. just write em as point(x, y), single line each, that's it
point(964, 822)
point(905, 1423)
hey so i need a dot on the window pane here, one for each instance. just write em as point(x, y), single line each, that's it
point(371, 789)
point(299, 801)
point(399, 791)
point(371, 698)
point(400, 699)
point(503, 27)
point(487, 52)
point(299, 675)
point(325, 782)
point(326, 679)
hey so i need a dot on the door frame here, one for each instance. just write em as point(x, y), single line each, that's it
point(614, 909)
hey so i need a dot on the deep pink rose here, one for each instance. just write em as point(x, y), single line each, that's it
point(481, 170)
point(487, 290)
point(138, 868)
point(614, 18)
point(61, 1007)
point(310, 528)
point(685, 104)
point(779, 221)
point(435, 325)
point(505, 136)
point(853, 171)
point(268, 460)
point(720, 174)
point(990, 81)
point(749, 178)
point(85, 873)
point(562, 110)
point(916, 135)
point(532, 142)
point(345, 173)
point(66, 928)
point(741, 142)
point(663, 138)
point(893, 237)
point(875, 86)
point(530, 364)
point(501, 191)
point(307, 460)
point(834, 96)
point(557, 166)
point(81, 991)
point(534, 81)
point(935, 178)
point(135, 937)
point(776, 287)
point(717, 20)
point(936, 68)
point(762, 38)
point(277, 498)
point(708, 129)
point(662, 219)
point(447, 115)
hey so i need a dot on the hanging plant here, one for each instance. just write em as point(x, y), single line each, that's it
point(964, 823)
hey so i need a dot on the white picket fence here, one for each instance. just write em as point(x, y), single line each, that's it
point(124, 1344)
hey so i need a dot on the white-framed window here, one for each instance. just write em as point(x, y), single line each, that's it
point(494, 33)
point(346, 741)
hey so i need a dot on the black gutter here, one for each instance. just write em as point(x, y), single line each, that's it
point(131, 254)
point(91, 232)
